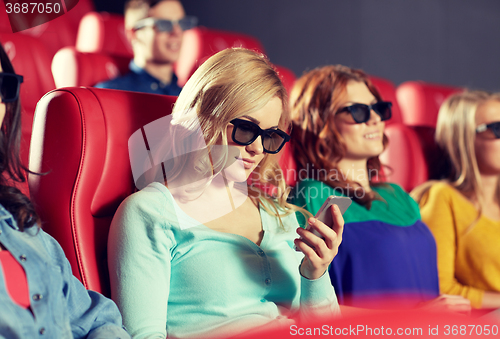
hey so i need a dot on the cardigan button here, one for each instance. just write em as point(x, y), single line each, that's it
point(42, 330)
point(37, 297)
point(22, 257)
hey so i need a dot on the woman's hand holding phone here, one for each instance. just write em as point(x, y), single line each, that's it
point(319, 251)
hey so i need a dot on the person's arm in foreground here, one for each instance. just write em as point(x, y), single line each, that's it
point(91, 314)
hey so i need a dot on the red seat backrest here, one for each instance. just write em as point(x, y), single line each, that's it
point(287, 77)
point(54, 34)
point(201, 43)
point(78, 12)
point(4, 19)
point(420, 101)
point(31, 60)
point(80, 138)
point(105, 33)
point(404, 157)
point(73, 68)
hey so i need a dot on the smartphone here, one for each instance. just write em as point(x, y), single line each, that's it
point(325, 215)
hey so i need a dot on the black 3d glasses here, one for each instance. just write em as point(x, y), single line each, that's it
point(361, 112)
point(9, 86)
point(245, 132)
point(493, 128)
point(163, 25)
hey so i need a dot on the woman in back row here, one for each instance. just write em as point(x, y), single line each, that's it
point(463, 211)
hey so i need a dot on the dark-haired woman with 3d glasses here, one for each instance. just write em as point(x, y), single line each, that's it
point(39, 296)
point(202, 254)
point(463, 210)
point(388, 255)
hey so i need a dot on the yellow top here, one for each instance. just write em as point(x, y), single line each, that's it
point(468, 258)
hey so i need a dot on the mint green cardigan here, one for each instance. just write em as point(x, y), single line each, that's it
point(199, 282)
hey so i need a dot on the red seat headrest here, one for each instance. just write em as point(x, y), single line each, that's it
point(105, 33)
point(420, 101)
point(73, 68)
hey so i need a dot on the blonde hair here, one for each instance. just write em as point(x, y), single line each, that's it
point(229, 85)
point(455, 135)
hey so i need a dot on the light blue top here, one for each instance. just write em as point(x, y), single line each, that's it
point(61, 306)
point(200, 282)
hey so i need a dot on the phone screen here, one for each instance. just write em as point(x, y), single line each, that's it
point(324, 214)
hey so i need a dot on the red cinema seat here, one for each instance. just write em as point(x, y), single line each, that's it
point(420, 101)
point(61, 31)
point(72, 68)
point(54, 34)
point(287, 77)
point(105, 33)
point(76, 14)
point(4, 19)
point(201, 43)
point(404, 157)
point(80, 139)
point(31, 60)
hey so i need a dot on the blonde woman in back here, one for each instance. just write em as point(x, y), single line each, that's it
point(463, 210)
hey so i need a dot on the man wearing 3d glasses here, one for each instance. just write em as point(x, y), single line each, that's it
point(155, 29)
